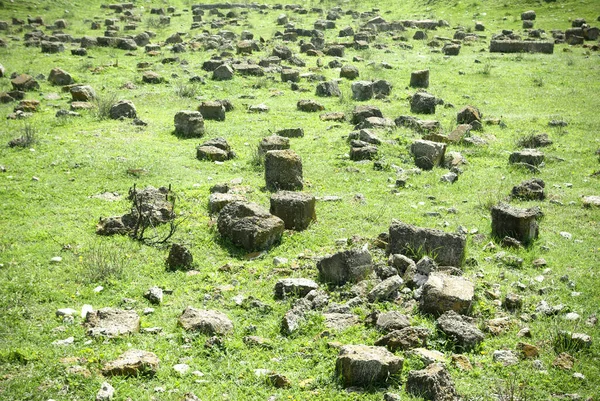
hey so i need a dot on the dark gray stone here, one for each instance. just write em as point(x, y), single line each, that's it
point(460, 329)
point(517, 223)
point(296, 287)
point(419, 79)
point(423, 103)
point(428, 154)
point(123, 108)
point(189, 124)
point(328, 89)
point(283, 170)
point(250, 226)
point(347, 266)
point(296, 209)
point(445, 248)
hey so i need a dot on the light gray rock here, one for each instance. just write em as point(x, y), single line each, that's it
point(362, 365)
point(205, 321)
point(111, 322)
point(442, 293)
point(132, 363)
point(296, 287)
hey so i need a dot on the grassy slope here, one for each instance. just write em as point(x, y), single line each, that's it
point(75, 159)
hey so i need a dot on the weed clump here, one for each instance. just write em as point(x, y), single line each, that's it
point(103, 105)
point(28, 138)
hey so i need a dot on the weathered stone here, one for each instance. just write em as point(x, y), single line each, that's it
point(528, 15)
point(82, 93)
point(390, 321)
point(381, 88)
point(127, 44)
point(451, 49)
point(105, 393)
point(60, 77)
point(442, 293)
point(460, 328)
point(132, 363)
point(250, 226)
point(328, 89)
point(216, 149)
point(340, 321)
point(273, 142)
point(252, 70)
point(111, 322)
point(223, 72)
point(362, 90)
point(288, 75)
point(362, 365)
point(24, 82)
point(468, 114)
point(189, 124)
point(419, 79)
point(154, 295)
point(349, 72)
point(446, 249)
point(212, 110)
point(362, 112)
point(518, 46)
point(405, 339)
point(591, 201)
point(151, 77)
point(297, 287)
point(517, 223)
point(428, 154)
point(532, 189)
point(180, 258)
point(52, 47)
point(291, 132)
point(505, 357)
point(217, 201)
point(205, 321)
point(296, 209)
point(532, 157)
point(283, 170)
point(362, 151)
point(309, 105)
point(423, 103)
point(432, 383)
point(386, 290)
point(123, 109)
point(293, 318)
point(348, 266)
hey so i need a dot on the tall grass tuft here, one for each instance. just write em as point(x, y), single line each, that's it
point(28, 137)
point(102, 264)
point(103, 105)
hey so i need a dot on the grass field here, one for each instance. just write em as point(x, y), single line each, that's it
point(47, 208)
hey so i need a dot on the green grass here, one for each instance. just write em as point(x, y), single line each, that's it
point(76, 158)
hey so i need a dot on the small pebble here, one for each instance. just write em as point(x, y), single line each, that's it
point(56, 259)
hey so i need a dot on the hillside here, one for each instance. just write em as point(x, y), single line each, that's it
point(534, 301)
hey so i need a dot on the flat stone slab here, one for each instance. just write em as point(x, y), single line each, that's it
point(521, 46)
point(111, 322)
point(132, 363)
point(298, 287)
point(205, 321)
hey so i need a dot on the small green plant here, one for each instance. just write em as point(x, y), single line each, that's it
point(103, 105)
point(487, 68)
point(187, 90)
point(257, 160)
point(538, 81)
point(511, 390)
point(28, 137)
